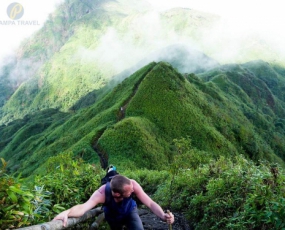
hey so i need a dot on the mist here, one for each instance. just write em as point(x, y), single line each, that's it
point(240, 22)
point(147, 38)
point(227, 37)
point(18, 70)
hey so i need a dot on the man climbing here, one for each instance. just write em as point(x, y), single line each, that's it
point(119, 207)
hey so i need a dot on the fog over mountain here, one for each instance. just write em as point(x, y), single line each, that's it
point(84, 45)
point(240, 19)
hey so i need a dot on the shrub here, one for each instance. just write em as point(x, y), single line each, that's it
point(16, 208)
point(70, 182)
point(228, 194)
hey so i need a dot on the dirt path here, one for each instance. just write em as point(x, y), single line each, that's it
point(152, 222)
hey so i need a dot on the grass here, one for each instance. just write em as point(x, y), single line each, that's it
point(215, 111)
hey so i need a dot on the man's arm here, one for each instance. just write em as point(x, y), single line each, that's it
point(153, 206)
point(98, 197)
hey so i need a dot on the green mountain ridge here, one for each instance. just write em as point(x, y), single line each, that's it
point(135, 123)
point(83, 45)
point(80, 74)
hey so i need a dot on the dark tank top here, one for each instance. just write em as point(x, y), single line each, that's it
point(117, 210)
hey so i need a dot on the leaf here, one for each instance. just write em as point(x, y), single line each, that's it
point(27, 200)
point(4, 163)
point(57, 208)
point(12, 196)
point(16, 190)
point(9, 207)
point(18, 213)
point(19, 191)
point(25, 206)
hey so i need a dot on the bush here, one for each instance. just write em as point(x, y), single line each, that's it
point(70, 182)
point(228, 194)
point(148, 179)
point(16, 209)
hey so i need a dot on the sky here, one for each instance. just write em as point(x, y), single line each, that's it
point(262, 16)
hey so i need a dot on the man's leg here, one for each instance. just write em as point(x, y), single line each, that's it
point(115, 225)
point(133, 221)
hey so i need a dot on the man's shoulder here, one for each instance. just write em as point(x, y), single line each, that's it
point(137, 187)
point(134, 182)
point(102, 189)
point(98, 197)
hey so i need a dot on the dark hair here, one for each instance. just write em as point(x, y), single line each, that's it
point(118, 183)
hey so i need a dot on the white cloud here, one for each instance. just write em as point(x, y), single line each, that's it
point(264, 17)
point(243, 18)
point(240, 19)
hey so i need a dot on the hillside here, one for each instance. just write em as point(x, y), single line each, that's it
point(76, 73)
point(134, 125)
point(83, 48)
point(159, 95)
point(191, 140)
point(84, 45)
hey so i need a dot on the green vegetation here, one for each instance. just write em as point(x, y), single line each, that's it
point(227, 193)
point(23, 204)
point(208, 142)
point(159, 105)
point(64, 184)
point(207, 134)
point(83, 45)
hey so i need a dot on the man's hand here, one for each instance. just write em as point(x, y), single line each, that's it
point(62, 216)
point(169, 217)
point(98, 197)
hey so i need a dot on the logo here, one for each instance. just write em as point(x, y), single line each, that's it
point(15, 11)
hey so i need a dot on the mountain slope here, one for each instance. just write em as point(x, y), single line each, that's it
point(76, 134)
point(256, 100)
point(84, 45)
point(134, 125)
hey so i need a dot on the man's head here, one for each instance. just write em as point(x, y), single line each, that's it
point(121, 186)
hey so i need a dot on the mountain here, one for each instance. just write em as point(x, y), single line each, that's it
point(116, 81)
point(159, 95)
point(221, 111)
point(84, 45)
